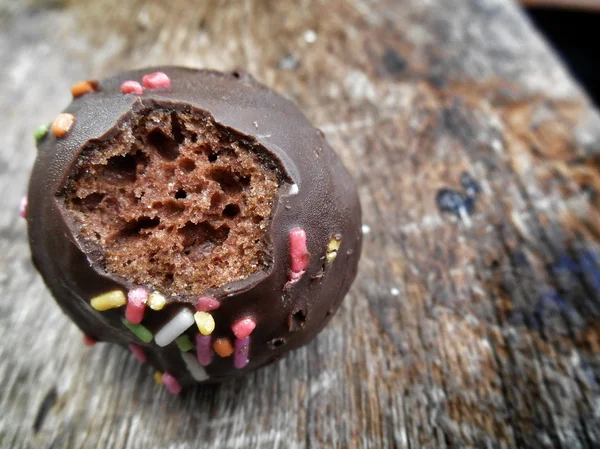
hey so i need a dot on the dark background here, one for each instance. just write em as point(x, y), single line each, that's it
point(574, 34)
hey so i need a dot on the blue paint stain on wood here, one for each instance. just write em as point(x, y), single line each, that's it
point(471, 187)
point(452, 201)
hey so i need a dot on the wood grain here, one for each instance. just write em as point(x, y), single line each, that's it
point(480, 332)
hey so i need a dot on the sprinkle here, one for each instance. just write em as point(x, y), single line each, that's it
point(205, 322)
point(23, 207)
point(158, 377)
point(156, 80)
point(242, 328)
point(174, 328)
point(184, 343)
point(298, 252)
point(83, 87)
point(88, 341)
point(132, 87)
point(171, 383)
point(136, 304)
point(195, 369)
point(62, 124)
point(293, 189)
point(223, 347)
point(40, 132)
point(138, 330)
point(156, 301)
point(138, 352)
point(207, 304)
point(332, 248)
point(366, 229)
point(110, 300)
point(203, 350)
point(242, 350)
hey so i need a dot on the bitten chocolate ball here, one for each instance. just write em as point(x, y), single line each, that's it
point(196, 217)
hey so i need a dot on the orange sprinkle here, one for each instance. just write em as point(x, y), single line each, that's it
point(62, 124)
point(222, 347)
point(83, 87)
point(158, 378)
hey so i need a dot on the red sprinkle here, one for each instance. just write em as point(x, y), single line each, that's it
point(23, 207)
point(132, 87)
point(298, 252)
point(138, 352)
point(88, 341)
point(156, 80)
point(242, 328)
point(171, 383)
point(136, 304)
point(207, 304)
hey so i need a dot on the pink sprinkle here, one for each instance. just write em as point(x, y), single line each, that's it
point(136, 304)
point(88, 341)
point(138, 352)
point(207, 303)
point(23, 207)
point(243, 328)
point(241, 352)
point(156, 80)
point(171, 383)
point(204, 352)
point(132, 87)
point(298, 251)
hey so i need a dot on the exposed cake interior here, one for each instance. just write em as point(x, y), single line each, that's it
point(175, 201)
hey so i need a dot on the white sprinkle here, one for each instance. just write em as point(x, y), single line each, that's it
point(394, 291)
point(366, 229)
point(310, 36)
point(293, 189)
point(255, 124)
point(464, 215)
point(263, 136)
point(174, 328)
point(196, 370)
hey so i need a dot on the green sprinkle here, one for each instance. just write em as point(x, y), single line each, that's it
point(40, 132)
point(184, 343)
point(139, 331)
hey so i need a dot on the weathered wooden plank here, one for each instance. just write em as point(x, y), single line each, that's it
point(459, 333)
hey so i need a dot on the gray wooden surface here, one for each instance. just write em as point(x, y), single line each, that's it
point(479, 332)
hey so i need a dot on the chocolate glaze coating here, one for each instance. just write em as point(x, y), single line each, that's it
point(326, 205)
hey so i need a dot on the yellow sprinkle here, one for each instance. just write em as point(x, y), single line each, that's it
point(110, 300)
point(205, 322)
point(158, 378)
point(332, 248)
point(156, 301)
